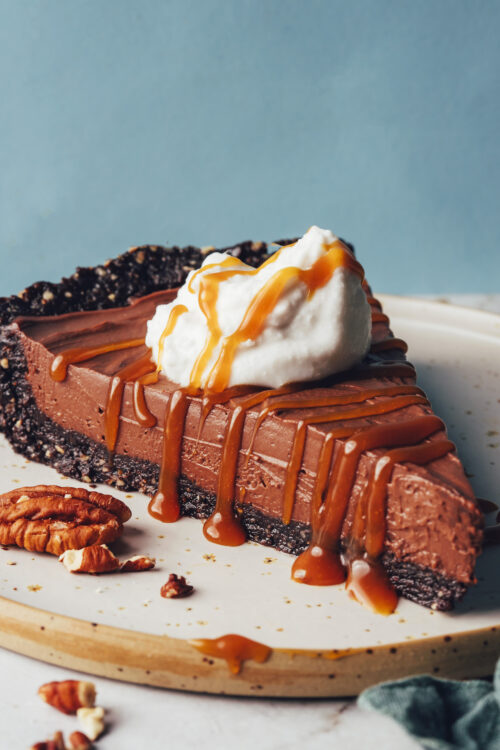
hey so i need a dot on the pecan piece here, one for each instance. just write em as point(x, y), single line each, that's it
point(79, 741)
point(54, 519)
point(176, 587)
point(68, 695)
point(136, 563)
point(97, 558)
point(92, 721)
point(57, 743)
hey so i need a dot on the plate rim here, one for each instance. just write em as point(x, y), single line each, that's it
point(168, 662)
point(470, 318)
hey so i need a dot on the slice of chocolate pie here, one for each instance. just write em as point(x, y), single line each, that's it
point(352, 472)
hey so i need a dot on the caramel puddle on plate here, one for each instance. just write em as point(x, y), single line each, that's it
point(235, 649)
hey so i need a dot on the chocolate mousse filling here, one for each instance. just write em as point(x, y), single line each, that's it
point(286, 461)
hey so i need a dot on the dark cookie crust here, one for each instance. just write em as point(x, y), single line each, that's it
point(139, 272)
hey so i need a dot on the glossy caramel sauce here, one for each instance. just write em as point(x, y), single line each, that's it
point(235, 649)
point(336, 256)
point(418, 440)
point(59, 367)
point(131, 372)
point(164, 504)
point(173, 317)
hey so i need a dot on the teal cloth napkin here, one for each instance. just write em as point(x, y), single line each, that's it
point(442, 714)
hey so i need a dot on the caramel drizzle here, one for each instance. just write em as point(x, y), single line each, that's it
point(131, 372)
point(208, 295)
point(414, 395)
point(61, 362)
point(139, 372)
point(173, 317)
point(336, 255)
point(322, 562)
point(223, 527)
point(385, 407)
point(235, 649)
point(141, 412)
point(164, 505)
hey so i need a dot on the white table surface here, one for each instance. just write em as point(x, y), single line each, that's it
point(142, 717)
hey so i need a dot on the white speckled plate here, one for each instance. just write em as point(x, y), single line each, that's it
point(247, 590)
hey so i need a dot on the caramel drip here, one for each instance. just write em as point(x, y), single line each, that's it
point(150, 378)
point(230, 262)
point(324, 468)
point(136, 369)
point(409, 432)
point(374, 531)
point(223, 526)
point(61, 362)
point(210, 400)
point(388, 344)
point(235, 649)
point(208, 295)
point(338, 399)
point(173, 317)
point(141, 412)
point(368, 584)
point(294, 464)
point(320, 564)
point(164, 505)
point(292, 470)
point(142, 371)
point(366, 579)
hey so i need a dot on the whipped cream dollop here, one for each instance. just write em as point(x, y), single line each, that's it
point(302, 315)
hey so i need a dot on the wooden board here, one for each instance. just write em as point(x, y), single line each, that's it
point(323, 643)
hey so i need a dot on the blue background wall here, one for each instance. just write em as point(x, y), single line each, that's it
point(211, 121)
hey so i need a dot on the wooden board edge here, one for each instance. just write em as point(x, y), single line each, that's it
point(163, 661)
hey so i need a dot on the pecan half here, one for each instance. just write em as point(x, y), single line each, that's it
point(54, 519)
point(176, 587)
point(68, 695)
point(97, 558)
